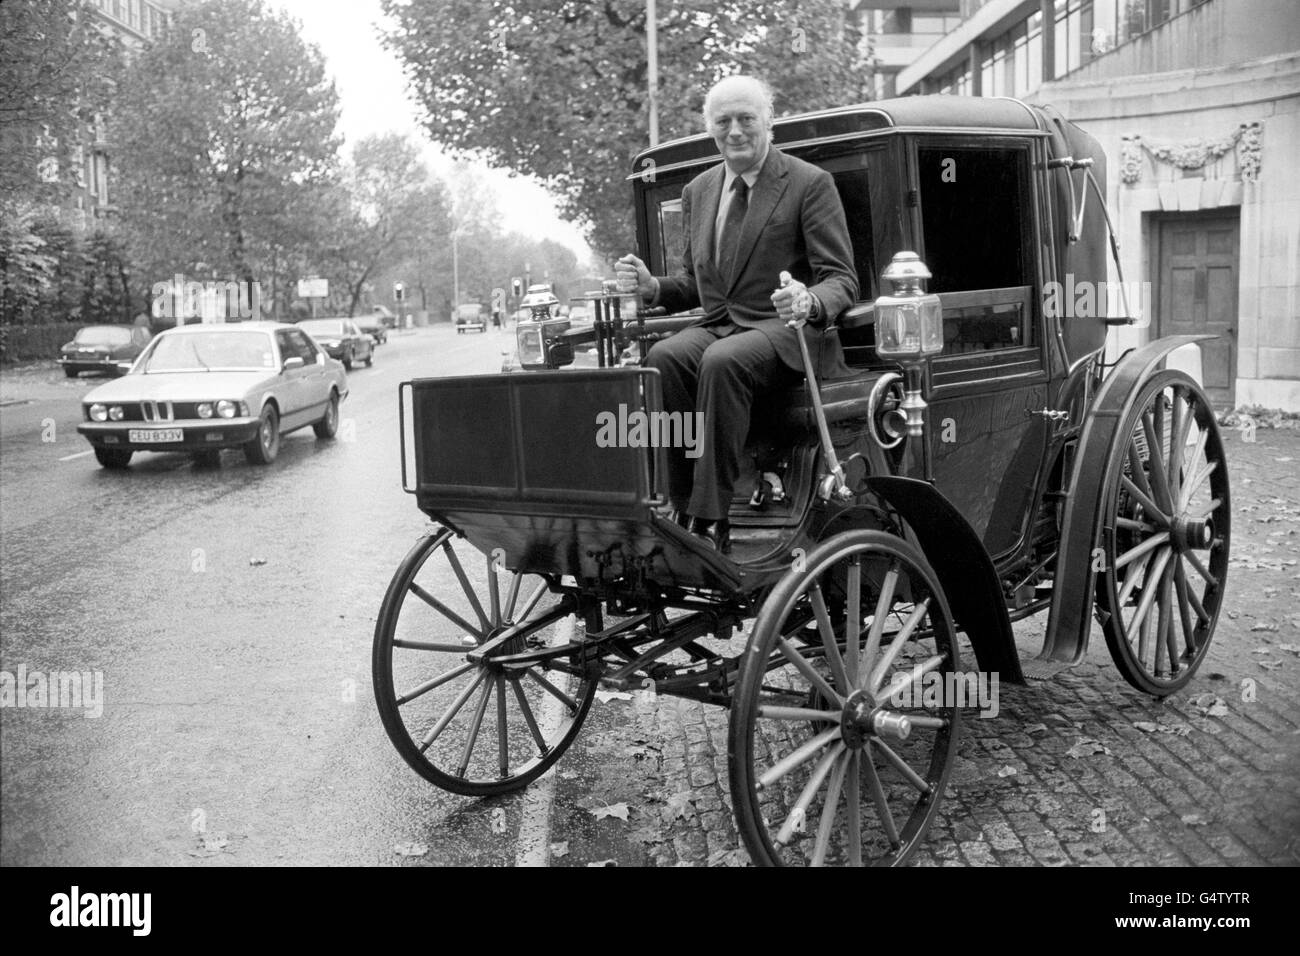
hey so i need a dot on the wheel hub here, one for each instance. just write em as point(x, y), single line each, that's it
point(861, 720)
point(1189, 534)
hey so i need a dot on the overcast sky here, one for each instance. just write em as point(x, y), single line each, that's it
point(373, 95)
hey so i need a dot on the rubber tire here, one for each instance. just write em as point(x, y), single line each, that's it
point(347, 362)
point(257, 452)
point(328, 426)
point(114, 458)
point(70, 372)
point(370, 358)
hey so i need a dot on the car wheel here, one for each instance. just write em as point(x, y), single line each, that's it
point(328, 426)
point(370, 358)
point(347, 361)
point(113, 457)
point(70, 372)
point(262, 448)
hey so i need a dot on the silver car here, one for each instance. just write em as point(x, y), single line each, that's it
point(202, 388)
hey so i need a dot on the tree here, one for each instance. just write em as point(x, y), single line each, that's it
point(392, 209)
point(558, 90)
point(226, 136)
point(57, 74)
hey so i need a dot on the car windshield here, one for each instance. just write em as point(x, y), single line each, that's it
point(111, 335)
point(208, 351)
point(322, 328)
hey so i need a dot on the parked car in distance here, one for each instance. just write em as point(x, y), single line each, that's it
point(470, 316)
point(202, 388)
point(103, 348)
point(385, 315)
point(373, 326)
point(341, 339)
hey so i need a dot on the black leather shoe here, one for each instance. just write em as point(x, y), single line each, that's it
point(677, 516)
point(716, 533)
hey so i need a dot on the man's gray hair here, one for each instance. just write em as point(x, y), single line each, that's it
point(730, 85)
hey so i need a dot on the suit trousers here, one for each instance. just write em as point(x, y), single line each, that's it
point(715, 370)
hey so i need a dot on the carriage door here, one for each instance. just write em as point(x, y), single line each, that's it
point(1196, 291)
point(987, 443)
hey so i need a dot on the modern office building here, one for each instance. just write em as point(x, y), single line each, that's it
point(1197, 104)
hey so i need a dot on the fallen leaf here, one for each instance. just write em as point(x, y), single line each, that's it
point(1086, 747)
point(1146, 726)
point(736, 857)
point(1269, 665)
point(1007, 771)
point(605, 696)
point(410, 849)
point(498, 819)
point(560, 850)
point(680, 806)
point(618, 810)
point(647, 835)
point(1264, 626)
point(1215, 708)
point(610, 862)
point(1293, 648)
point(257, 562)
point(214, 844)
point(1193, 819)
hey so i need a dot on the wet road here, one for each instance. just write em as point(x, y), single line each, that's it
point(238, 723)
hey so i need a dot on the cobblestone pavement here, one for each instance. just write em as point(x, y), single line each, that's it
point(1208, 776)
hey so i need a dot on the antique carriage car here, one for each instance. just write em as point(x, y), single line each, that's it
point(983, 463)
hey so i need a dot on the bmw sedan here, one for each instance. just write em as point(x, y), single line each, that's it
point(201, 388)
point(341, 339)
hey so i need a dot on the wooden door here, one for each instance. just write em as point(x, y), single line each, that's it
point(1196, 291)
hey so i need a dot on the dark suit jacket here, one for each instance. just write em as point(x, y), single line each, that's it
point(795, 223)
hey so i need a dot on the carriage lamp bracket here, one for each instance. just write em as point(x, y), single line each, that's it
point(914, 405)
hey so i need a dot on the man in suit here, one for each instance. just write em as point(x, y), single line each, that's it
point(758, 214)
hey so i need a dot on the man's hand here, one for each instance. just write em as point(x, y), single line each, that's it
point(793, 301)
point(632, 273)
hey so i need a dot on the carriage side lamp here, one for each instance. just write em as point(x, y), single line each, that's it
point(909, 329)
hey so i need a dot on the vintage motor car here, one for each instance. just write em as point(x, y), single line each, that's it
point(342, 340)
point(985, 461)
point(200, 388)
point(103, 348)
point(470, 315)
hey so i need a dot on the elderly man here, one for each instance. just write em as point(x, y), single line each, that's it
point(758, 214)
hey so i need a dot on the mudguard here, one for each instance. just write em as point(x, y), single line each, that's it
point(964, 567)
point(1070, 619)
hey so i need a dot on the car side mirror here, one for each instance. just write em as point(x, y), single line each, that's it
point(293, 362)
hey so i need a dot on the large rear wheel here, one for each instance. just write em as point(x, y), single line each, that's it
point(1165, 537)
point(844, 723)
point(459, 715)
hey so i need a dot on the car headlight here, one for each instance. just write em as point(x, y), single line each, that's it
point(115, 412)
point(227, 409)
point(98, 413)
point(205, 409)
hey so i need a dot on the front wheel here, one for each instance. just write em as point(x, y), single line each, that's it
point(262, 448)
point(1166, 536)
point(477, 725)
point(845, 721)
point(114, 458)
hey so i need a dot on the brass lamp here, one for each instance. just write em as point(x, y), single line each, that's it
point(909, 329)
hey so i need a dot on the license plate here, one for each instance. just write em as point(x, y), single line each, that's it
point(149, 436)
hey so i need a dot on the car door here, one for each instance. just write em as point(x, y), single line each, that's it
point(316, 377)
point(293, 385)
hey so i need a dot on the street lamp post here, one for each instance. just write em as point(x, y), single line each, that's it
point(652, 67)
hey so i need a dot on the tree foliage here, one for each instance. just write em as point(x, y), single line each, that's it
point(225, 136)
point(558, 89)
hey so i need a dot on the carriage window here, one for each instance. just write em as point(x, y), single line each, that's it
point(974, 204)
point(672, 234)
point(859, 181)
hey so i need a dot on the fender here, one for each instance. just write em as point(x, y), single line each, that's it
point(1070, 620)
point(965, 570)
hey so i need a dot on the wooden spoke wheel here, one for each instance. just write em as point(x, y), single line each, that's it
point(1165, 536)
point(844, 723)
point(462, 719)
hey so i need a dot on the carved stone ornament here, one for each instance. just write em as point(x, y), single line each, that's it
point(1196, 153)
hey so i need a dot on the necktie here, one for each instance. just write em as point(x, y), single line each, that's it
point(731, 226)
